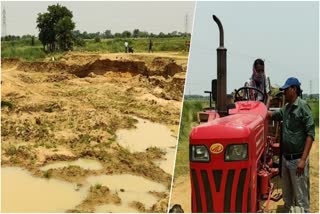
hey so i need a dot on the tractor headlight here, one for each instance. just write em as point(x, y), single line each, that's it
point(236, 152)
point(199, 153)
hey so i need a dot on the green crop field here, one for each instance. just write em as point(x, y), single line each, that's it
point(188, 120)
point(24, 50)
point(314, 105)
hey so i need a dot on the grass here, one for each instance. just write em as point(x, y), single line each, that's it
point(314, 105)
point(47, 174)
point(97, 186)
point(188, 120)
point(22, 48)
point(6, 104)
point(84, 138)
point(139, 45)
point(11, 150)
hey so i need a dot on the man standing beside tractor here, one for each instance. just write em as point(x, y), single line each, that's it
point(298, 132)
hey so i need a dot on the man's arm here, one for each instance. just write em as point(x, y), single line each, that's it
point(305, 155)
point(310, 130)
point(276, 115)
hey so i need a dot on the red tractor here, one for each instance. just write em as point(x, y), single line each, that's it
point(234, 152)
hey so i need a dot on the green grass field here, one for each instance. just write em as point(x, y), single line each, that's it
point(22, 48)
point(314, 105)
point(188, 120)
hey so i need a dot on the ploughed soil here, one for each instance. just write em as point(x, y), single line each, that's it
point(72, 108)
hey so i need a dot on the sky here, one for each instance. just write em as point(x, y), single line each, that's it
point(284, 34)
point(99, 16)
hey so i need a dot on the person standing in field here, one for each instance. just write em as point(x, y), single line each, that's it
point(298, 132)
point(150, 46)
point(126, 46)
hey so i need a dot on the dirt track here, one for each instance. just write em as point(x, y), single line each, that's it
point(72, 108)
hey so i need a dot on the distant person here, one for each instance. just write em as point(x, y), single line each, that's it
point(130, 50)
point(298, 132)
point(150, 46)
point(187, 45)
point(260, 81)
point(126, 45)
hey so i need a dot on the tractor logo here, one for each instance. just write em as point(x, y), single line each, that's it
point(216, 148)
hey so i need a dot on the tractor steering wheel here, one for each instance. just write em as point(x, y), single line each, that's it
point(246, 94)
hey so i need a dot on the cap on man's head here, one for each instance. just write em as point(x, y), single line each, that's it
point(292, 81)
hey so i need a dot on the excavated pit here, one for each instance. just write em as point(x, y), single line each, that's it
point(70, 110)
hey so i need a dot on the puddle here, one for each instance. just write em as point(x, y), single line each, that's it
point(21, 192)
point(135, 188)
point(83, 163)
point(146, 134)
point(149, 134)
point(167, 165)
point(111, 208)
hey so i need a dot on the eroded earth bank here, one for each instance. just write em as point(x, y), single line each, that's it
point(90, 133)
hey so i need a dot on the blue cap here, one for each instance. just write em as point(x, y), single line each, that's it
point(292, 81)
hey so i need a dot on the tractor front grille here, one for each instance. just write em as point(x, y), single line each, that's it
point(204, 190)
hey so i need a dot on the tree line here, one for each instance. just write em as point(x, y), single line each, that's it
point(136, 33)
point(57, 31)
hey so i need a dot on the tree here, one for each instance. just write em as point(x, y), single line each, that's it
point(135, 33)
point(97, 39)
point(143, 34)
point(56, 27)
point(108, 34)
point(32, 41)
point(161, 35)
point(63, 30)
point(126, 34)
point(117, 35)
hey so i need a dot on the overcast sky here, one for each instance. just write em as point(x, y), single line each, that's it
point(99, 16)
point(284, 34)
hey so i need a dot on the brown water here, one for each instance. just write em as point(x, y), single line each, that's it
point(112, 208)
point(134, 188)
point(83, 163)
point(167, 165)
point(21, 192)
point(148, 134)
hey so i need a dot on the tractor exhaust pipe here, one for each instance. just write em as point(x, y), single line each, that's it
point(221, 98)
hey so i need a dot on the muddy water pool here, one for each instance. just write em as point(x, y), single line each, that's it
point(22, 192)
point(112, 208)
point(148, 134)
point(167, 165)
point(129, 188)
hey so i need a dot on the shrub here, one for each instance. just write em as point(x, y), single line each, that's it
point(11, 150)
point(97, 39)
point(98, 186)
point(6, 104)
point(47, 174)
